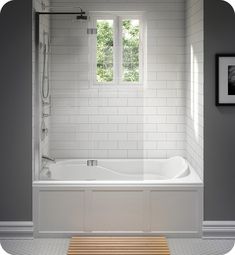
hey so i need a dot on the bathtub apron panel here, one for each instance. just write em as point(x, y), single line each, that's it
point(65, 210)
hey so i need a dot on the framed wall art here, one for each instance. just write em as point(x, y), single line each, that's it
point(225, 79)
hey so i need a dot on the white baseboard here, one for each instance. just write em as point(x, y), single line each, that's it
point(218, 229)
point(16, 229)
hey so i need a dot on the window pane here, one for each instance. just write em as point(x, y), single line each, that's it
point(130, 50)
point(104, 52)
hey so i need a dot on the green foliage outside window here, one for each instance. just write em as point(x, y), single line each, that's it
point(130, 42)
point(104, 54)
point(130, 50)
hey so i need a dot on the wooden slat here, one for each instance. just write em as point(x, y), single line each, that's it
point(118, 245)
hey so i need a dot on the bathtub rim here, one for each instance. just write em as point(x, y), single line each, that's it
point(192, 179)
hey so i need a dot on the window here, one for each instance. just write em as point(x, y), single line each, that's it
point(104, 51)
point(130, 50)
point(117, 50)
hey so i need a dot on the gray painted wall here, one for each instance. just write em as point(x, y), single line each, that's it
point(219, 132)
point(15, 111)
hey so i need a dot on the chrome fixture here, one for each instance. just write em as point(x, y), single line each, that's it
point(45, 103)
point(46, 115)
point(46, 171)
point(82, 15)
point(45, 89)
point(46, 107)
point(47, 158)
point(44, 130)
point(45, 85)
point(92, 162)
point(54, 10)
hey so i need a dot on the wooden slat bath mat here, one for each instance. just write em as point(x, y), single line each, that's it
point(118, 245)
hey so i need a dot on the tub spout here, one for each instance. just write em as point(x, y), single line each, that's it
point(47, 158)
point(92, 162)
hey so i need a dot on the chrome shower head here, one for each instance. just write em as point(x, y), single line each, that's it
point(81, 17)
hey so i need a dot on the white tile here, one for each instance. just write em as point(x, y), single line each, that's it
point(117, 119)
point(107, 110)
point(98, 154)
point(98, 119)
point(108, 128)
point(98, 101)
point(155, 119)
point(175, 119)
point(127, 145)
point(166, 128)
point(175, 136)
point(98, 136)
point(155, 101)
point(166, 93)
point(117, 102)
point(117, 154)
point(127, 110)
point(117, 136)
point(167, 145)
point(149, 145)
point(156, 153)
point(108, 145)
point(128, 127)
point(135, 119)
point(135, 101)
point(152, 76)
point(155, 136)
point(135, 154)
point(135, 136)
point(150, 127)
point(113, 116)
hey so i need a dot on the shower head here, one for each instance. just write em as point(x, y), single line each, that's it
point(81, 14)
point(81, 17)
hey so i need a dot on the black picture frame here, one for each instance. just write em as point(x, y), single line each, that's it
point(219, 84)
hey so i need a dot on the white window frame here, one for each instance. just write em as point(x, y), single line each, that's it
point(117, 18)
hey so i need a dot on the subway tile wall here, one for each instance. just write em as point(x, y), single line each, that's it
point(194, 86)
point(119, 122)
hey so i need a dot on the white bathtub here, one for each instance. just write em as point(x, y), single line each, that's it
point(175, 169)
point(149, 196)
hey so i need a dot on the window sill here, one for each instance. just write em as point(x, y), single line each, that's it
point(124, 85)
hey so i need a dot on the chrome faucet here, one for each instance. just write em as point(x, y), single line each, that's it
point(92, 162)
point(45, 170)
point(47, 158)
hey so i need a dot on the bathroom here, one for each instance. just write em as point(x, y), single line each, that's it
point(138, 122)
point(118, 145)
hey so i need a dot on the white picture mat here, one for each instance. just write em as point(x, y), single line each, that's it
point(224, 63)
